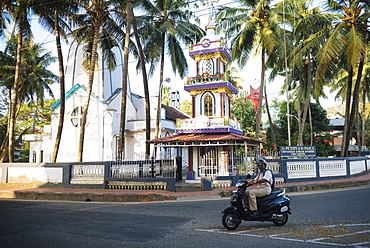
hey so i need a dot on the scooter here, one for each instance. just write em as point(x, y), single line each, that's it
point(274, 207)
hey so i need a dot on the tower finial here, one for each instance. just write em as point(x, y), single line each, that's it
point(211, 14)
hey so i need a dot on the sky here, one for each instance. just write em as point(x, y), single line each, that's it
point(250, 74)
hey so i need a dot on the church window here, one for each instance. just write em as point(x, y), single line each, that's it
point(76, 116)
point(208, 105)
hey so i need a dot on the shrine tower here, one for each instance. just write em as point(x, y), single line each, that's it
point(211, 88)
point(207, 141)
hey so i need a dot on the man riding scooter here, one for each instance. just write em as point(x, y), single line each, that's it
point(263, 181)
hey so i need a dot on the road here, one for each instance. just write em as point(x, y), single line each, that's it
point(320, 219)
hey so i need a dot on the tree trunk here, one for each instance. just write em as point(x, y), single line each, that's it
point(344, 152)
point(156, 133)
point(89, 90)
point(307, 101)
point(61, 87)
point(121, 141)
point(145, 83)
point(271, 124)
point(354, 104)
point(4, 147)
point(311, 126)
point(299, 111)
point(262, 86)
point(363, 130)
point(14, 96)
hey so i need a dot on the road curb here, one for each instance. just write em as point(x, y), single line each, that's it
point(112, 196)
point(82, 196)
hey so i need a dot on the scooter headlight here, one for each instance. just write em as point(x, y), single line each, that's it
point(284, 209)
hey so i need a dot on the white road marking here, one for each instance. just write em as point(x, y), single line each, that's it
point(363, 243)
point(359, 224)
point(318, 241)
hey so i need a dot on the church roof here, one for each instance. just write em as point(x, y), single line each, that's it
point(173, 114)
point(70, 93)
point(205, 139)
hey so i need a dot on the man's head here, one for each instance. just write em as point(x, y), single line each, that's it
point(261, 164)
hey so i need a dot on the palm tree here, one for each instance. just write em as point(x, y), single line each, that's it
point(129, 17)
point(142, 30)
point(254, 27)
point(345, 48)
point(173, 28)
point(34, 76)
point(95, 26)
point(300, 17)
point(52, 17)
point(365, 95)
point(19, 12)
point(145, 78)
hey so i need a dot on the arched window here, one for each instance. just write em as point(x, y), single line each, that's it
point(208, 105)
point(76, 116)
point(207, 66)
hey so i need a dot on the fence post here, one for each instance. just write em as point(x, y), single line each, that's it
point(348, 167)
point(284, 169)
point(206, 183)
point(141, 168)
point(178, 167)
point(317, 165)
point(107, 173)
point(161, 167)
point(67, 174)
point(152, 167)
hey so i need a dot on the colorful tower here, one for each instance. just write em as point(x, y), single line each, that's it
point(211, 88)
point(208, 140)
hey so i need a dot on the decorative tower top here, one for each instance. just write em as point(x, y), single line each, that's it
point(211, 88)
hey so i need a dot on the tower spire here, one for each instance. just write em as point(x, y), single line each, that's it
point(211, 14)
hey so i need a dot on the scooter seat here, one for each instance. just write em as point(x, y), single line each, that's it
point(269, 197)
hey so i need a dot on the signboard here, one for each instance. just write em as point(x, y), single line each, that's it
point(297, 152)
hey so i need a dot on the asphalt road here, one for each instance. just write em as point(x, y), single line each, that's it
point(320, 219)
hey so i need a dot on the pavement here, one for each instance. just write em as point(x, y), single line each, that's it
point(114, 195)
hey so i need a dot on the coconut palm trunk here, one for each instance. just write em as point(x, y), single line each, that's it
point(363, 124)
point(307, 102)
point(89, 90)
point(270, 122)
point(354, 106)
point(262, 86)
point(157, 119)
point(145, 84)
point(343, 152)
point(121, 141)
point(4, 147)
point(61, 88)
point(14, 97)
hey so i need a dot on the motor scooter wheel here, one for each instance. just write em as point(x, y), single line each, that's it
point(281, 221)
point(231, 221)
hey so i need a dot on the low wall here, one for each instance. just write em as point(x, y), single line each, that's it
point(99, 174)
point(73, 175)
point(323, 168)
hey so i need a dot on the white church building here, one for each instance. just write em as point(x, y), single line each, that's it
point(102, 130)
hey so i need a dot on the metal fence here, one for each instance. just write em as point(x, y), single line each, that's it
point(139, 166)
point(87, 171)
point(232, 164)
